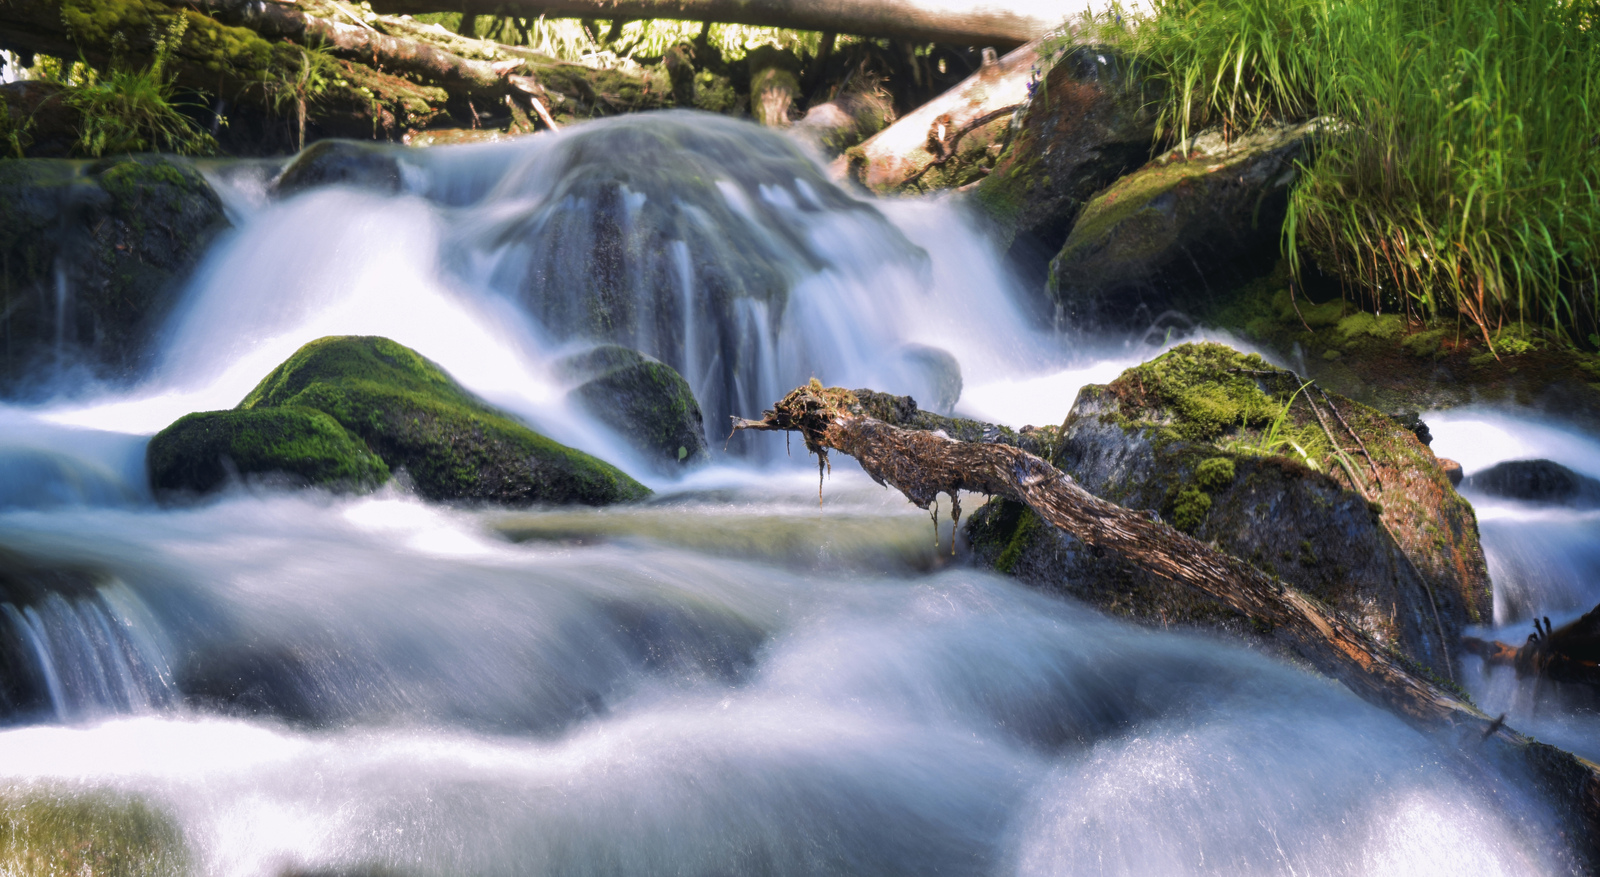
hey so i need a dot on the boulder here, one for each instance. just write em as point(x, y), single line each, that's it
point(1195, 222)
point(398, 410)
point(1228, 448)
point(301, 445)
point(1540, 481)
point(644, 400)
point(1088, 122)
point(92, 258)
point(936, 371)
point(340, 163)
point(836, 125)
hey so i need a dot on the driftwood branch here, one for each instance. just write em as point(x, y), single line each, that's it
point(1569, 653)
point(922, 465)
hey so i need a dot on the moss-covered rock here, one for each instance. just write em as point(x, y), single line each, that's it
point(1201, 219)
point(345, 411)
point(304, 445)
point(36, 120)
point(646, 401)
point(340, 163)
point(1088, 123)
point(1227, 447)
point(92, 257)
point(50, 832)
point(413, 415)
point(1399, 365)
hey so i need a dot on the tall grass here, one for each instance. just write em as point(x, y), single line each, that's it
point(135, 110)
point(1461, 174)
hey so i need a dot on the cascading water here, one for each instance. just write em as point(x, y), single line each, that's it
point(726, 680)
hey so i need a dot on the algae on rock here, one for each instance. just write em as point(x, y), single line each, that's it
point(49, 832)
point(398, 410)
point(92, 258)
point(644, 400)
point(1228, 447)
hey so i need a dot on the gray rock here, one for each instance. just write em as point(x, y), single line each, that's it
point(340, 163)
point(644, 400)
point(1540, 481)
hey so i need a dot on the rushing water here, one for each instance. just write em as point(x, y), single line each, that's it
point(730, 679)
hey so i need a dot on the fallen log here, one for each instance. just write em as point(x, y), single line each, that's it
point(961, 22)
point(1569, 653)
point(963, 121)
point(922, 465)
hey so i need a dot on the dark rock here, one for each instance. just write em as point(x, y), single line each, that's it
point(395, 406)
point(1541, 481)
point(645, 401)
point(1090, 121)
point(92, 258)
point(1178, 232)
point(1412, 420)
point(36, 121)
point(340, 163)
point(305, 446)
point(1452, 470)
point(1200, 436)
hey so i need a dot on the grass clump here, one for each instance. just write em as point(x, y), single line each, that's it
point(126, 110)
point(1461, 174)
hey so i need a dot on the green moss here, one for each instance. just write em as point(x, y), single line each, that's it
point(1214, 474)
point(1017, 526)
point(48, 834)
point(413, 415)
point(195, 452)
point(1210, 389)
point(1189, 509)
point(1361, 323)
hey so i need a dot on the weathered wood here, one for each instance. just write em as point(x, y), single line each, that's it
point(1569, 653)
point(963, 22)
point(930, 136)
point(922, 464)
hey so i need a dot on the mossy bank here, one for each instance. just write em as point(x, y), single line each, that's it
point(346, 411)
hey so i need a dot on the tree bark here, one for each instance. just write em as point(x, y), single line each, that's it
point(923, 464)
point(932, 135)
point(963, 22)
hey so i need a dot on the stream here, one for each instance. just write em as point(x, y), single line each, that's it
point(730, 678)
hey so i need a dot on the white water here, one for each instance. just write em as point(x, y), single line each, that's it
point(730, 680)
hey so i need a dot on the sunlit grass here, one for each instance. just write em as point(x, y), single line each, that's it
point(1460, 176)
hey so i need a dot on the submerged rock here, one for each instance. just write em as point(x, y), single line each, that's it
point(1088, 123)
point(1541, 481)
point(69, 830)
point(1229, 449)
point(92, 258)
point(340, 163)
point(398, 410)
point(1198, 221)
point(644, 400)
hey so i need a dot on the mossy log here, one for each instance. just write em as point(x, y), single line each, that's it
point(963, 22)
point(923, 464)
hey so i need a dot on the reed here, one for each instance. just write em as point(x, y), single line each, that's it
point(1459, 176)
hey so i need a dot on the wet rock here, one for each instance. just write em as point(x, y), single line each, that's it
point(1452, 470)
point(92, 258)
point(1192, 224)
point(296, 446)
point(1200, 436)
point(396, 407)
point(340, 163)
point(1540, 481)
point(64, 829)
point(849, 119)
point(36, 121)
point(937, 371)
point(1089, 122)
point(645, 401)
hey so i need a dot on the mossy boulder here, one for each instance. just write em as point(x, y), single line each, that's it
point(1089, 122)
point(340, 163)
point(302, 445)
point(644, 400)
point(58, 831)
point(1200, 220)
point(92, 258)
point(1230, 449)
point(1399, 364)
point(398, 410)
